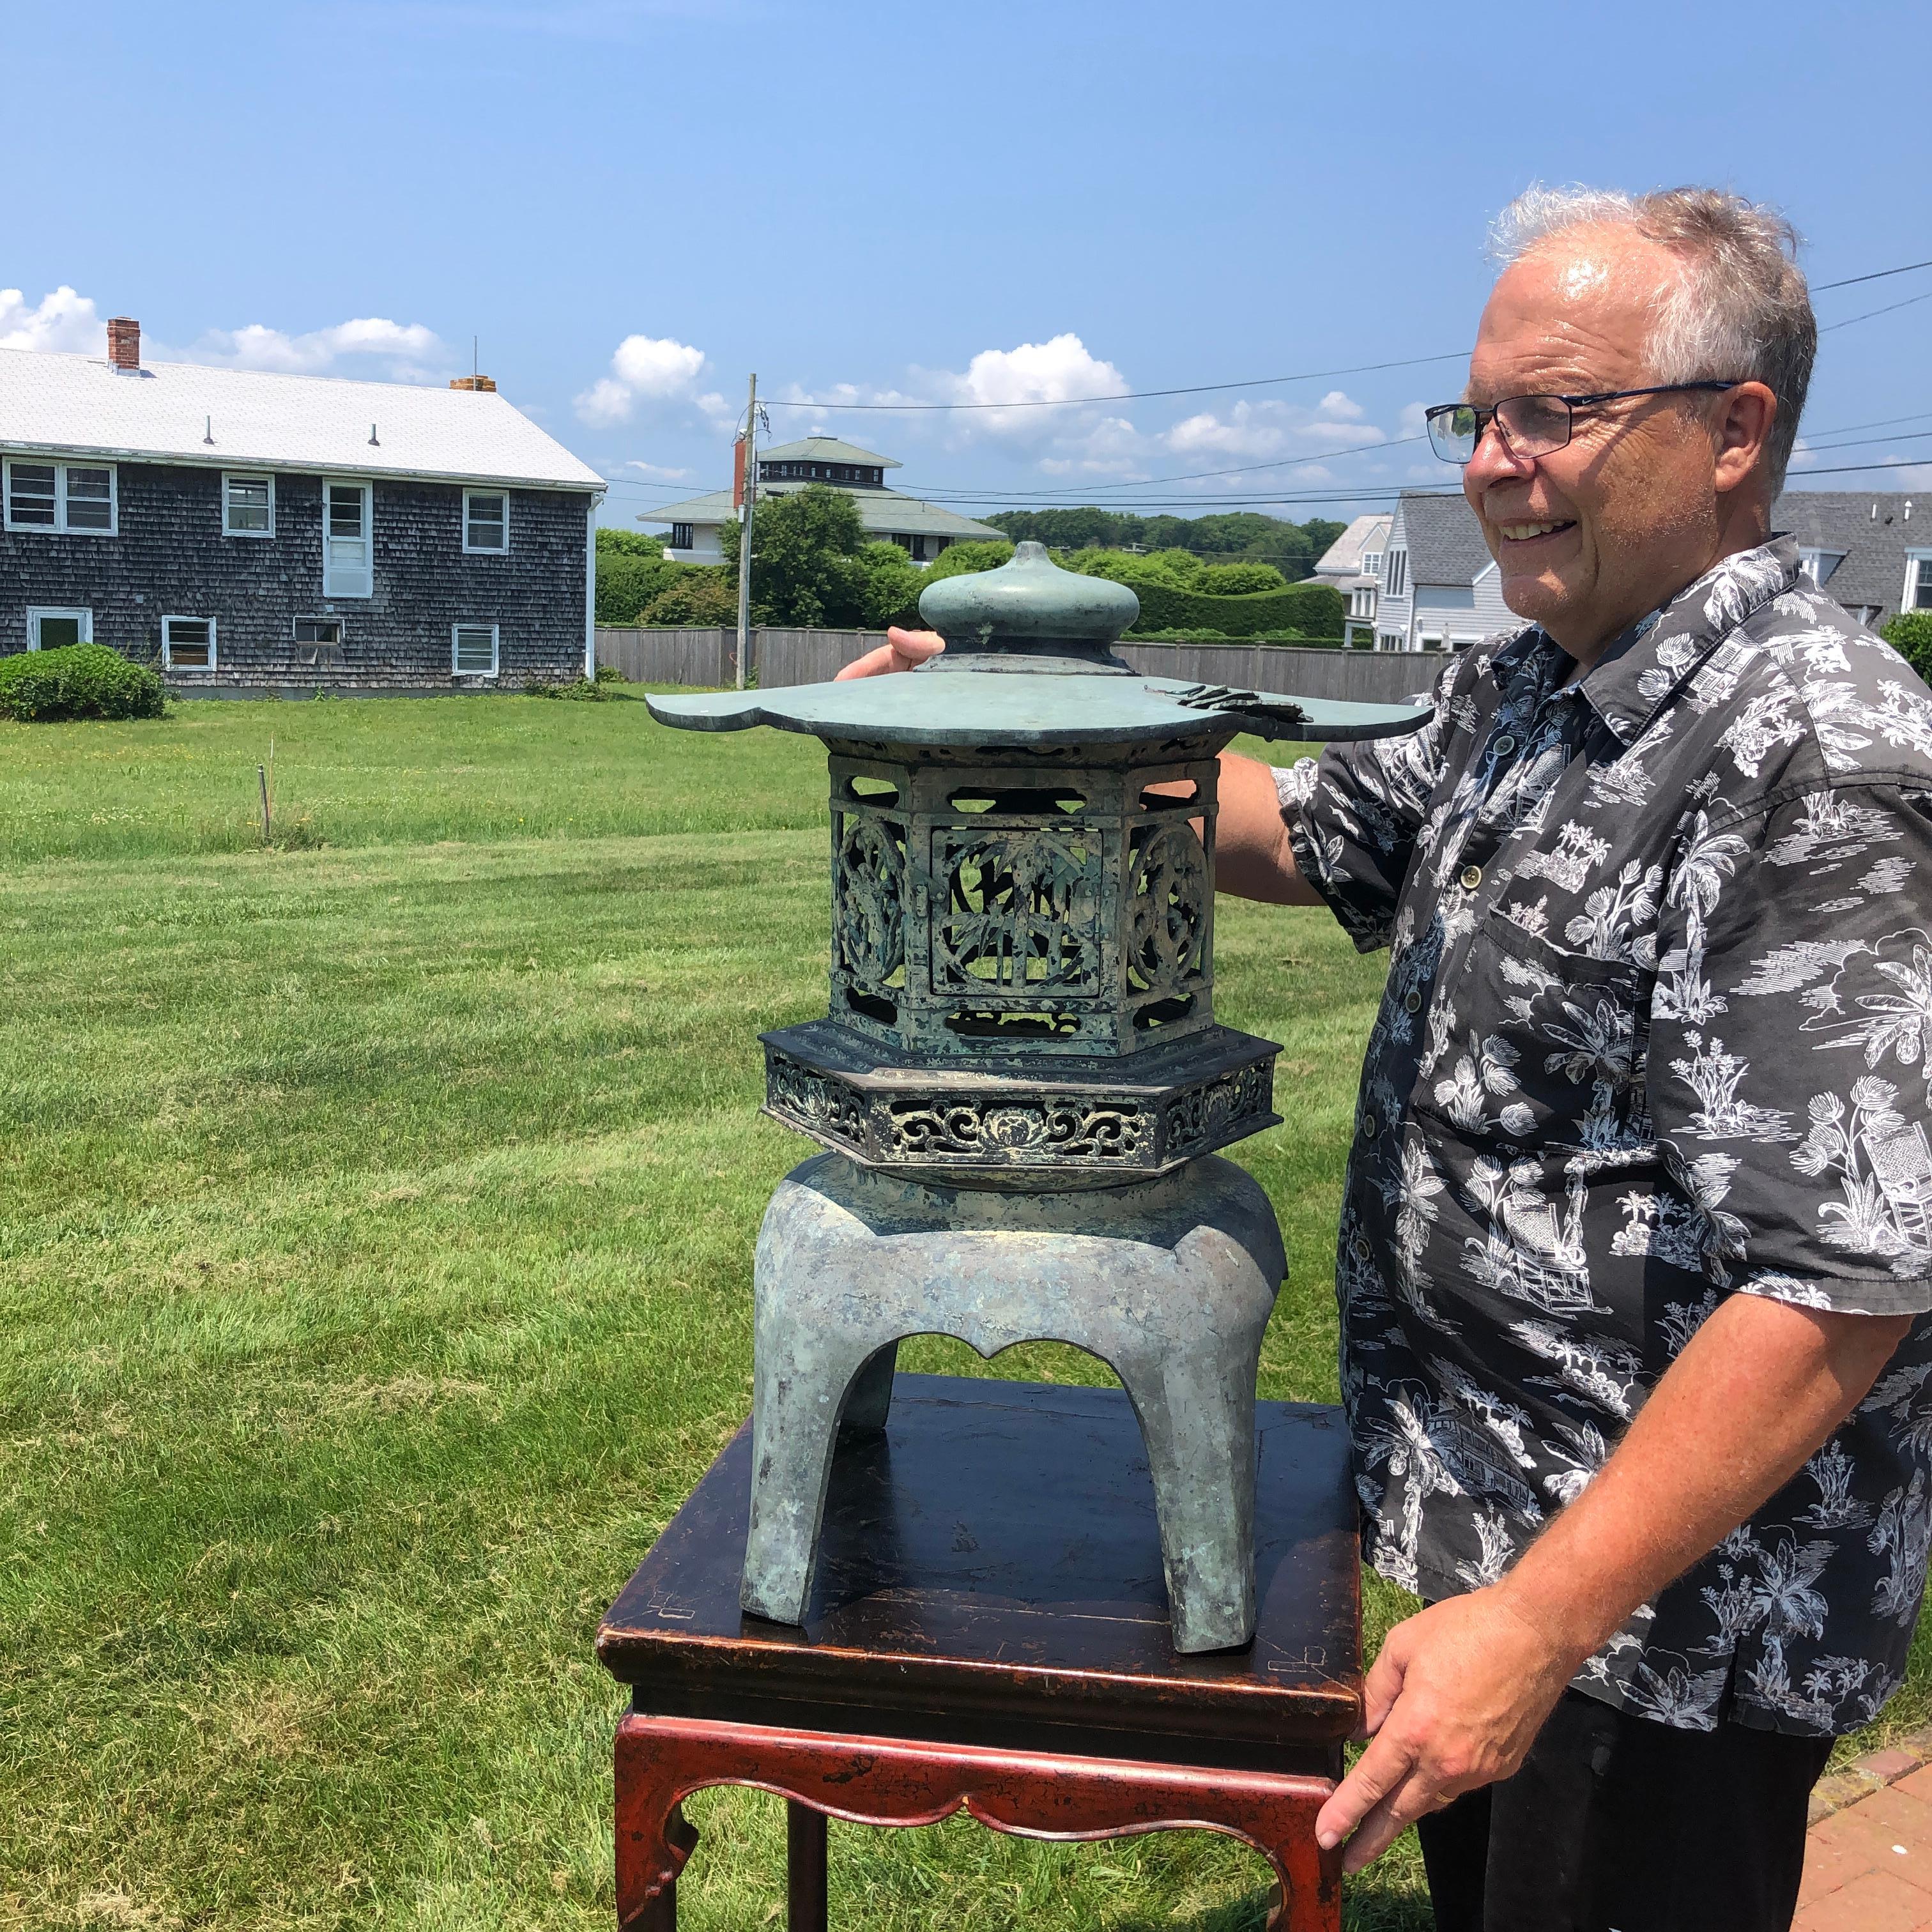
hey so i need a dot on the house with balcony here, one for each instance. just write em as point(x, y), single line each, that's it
point(921, 529)
point(1871, 551)
point(1352, 564)
point(246, 530)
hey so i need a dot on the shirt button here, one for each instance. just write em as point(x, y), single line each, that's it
point(1505, 745)
point(1412, 1002)
point(1472, 877)
point(1368, 1127)
point(1363, 1250)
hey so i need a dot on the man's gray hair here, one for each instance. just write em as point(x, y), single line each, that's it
point(1740, 309)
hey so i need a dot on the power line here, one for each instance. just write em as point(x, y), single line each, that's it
point(1876, 275)
point(1137, 395)
point(1871, 312)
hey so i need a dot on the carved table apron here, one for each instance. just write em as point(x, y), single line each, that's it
point(988, 1629)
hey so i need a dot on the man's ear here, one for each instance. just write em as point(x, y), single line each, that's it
point(1744, 418)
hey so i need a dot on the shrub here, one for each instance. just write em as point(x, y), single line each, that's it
point(77, 681)
point(1315, 609)
point(1909, 634)
point(893, 583)
point(697, 596)
point(627, 543)
point(967, 559)
point(627, 581)
point(1238, 580)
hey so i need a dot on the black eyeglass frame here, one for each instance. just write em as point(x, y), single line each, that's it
point(1485, 417)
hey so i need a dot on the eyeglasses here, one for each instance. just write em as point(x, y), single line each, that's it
point(1529, 425)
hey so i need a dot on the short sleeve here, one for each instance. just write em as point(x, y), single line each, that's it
point(1790, 1057)
point(1353, 814)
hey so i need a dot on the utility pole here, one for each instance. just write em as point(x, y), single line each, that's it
point(745, 529)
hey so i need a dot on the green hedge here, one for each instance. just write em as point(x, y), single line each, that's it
point(1315, 609)
point(77, 681)
point(1909, 634)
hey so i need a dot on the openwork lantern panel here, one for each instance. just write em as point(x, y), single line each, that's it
point(987, 911)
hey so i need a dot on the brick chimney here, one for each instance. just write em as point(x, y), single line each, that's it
point(485, 385)
point(124, 345)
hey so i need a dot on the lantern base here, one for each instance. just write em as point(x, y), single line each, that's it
point(1021, 1124)
point(1170, 1282)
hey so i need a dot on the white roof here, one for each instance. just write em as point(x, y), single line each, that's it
point(57, 404)
point(1343, 557)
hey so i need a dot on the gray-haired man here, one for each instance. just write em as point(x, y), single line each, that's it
point(1636, 1239)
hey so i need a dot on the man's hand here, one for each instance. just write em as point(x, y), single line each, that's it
point(903, 650)
point(1456, 1698)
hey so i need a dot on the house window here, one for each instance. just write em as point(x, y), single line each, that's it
point(1398, 573)
point(347, 570)
point(247, 506)
point(1371, 563)
point(486, 521)
point(473, 650)
point(918, 550)
point(1430, 641)
point(1389, 640)
point(1362, 602)
point(188, 644)
point(73, 498)
point(1815, 566)
point(51, 629)
point(319, 631)
point(681, 536)
point(1918, 582)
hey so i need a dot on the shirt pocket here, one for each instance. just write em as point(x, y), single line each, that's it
point(1547, 1045)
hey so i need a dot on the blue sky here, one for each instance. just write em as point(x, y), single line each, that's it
point(635, 202)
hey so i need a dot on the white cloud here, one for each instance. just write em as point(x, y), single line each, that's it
point(646, 369)
point(658, 470)
point(64, 320)
point(1261, 431)
point(1058, 371)
point(403, 352)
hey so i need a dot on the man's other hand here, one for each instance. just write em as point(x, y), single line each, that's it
point(903, 650)
point(1455, 1700)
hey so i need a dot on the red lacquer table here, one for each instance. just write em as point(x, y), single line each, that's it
point(988, 1629)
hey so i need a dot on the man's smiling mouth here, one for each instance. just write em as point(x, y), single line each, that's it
point(1529, 533)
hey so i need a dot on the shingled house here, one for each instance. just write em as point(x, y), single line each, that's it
point(1871, 551)
point(242, 529)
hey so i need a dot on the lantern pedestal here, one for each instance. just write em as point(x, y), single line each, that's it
point(1169, 1282)
point(988, 1631)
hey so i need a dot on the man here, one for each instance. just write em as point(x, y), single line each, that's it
point(1637, 1231)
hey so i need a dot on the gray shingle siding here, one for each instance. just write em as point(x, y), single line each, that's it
point(171, 558)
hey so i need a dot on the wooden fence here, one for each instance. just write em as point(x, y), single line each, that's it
point(780, 657)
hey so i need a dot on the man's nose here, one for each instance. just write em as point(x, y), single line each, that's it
point(1493, 461)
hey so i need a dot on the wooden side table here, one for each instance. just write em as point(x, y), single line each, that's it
point(988, 1629)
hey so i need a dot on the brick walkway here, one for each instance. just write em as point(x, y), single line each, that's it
point(1868, 1855)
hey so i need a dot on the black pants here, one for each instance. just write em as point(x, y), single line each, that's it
point(1619, 1824)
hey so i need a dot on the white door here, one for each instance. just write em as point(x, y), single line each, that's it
point(347, 568)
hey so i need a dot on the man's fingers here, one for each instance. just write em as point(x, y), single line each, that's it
point(1415, 1797)
point(1378, 1771)
point(873, 664)
point(1384, 1683)
point(913, 647)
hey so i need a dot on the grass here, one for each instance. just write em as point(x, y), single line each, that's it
point(373, 1284)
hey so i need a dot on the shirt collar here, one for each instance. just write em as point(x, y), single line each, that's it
point(1645, 666)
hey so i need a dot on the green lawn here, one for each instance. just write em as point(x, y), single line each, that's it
point(374, 1283)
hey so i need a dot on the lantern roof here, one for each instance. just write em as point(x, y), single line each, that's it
point(1026, 665)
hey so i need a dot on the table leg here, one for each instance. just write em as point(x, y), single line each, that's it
point(873, 1781)
point(806, 1908)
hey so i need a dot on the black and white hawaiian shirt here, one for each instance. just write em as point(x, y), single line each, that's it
point(1657, 1029)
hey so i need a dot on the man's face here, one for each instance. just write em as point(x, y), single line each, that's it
point(1594, 535)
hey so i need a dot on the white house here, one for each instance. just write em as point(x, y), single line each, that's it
point(922, 530)
point(1352, 564)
